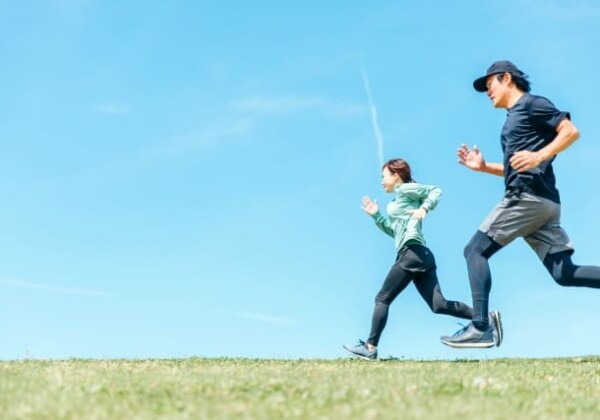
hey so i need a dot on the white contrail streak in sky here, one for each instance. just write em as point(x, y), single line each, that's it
point(52, 288)
point(374, 122)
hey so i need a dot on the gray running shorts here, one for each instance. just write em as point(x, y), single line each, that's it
point(535, 219)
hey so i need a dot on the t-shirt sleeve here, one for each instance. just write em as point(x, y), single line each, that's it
point(545, 114)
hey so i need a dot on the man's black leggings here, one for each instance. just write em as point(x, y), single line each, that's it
point(413, 263)
point(559, 265)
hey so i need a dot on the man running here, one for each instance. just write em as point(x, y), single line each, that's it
point(535, 131)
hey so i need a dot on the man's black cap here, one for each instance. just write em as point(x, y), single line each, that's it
point(503, 66)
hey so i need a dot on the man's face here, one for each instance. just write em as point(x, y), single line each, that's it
point(497, 89)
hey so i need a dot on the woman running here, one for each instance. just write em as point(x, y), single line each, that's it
point(414, 261)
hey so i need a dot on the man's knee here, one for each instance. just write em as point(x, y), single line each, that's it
point(561, 267)
point(480, 245)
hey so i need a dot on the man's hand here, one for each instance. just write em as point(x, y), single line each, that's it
point(472, 159)
point(525, 160)
point(370, 207)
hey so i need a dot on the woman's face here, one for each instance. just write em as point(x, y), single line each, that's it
point(389, 180)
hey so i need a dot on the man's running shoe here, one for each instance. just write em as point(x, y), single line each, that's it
point(470, 337)
point(496, 323)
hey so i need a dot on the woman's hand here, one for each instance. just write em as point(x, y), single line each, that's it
point(418, 214)
point(370, 207)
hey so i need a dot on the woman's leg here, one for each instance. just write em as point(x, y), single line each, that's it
point(429, 287)
point(395, 282)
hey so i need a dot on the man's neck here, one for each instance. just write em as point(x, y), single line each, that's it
point(514, 97)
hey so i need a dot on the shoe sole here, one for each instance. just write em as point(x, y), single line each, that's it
point(481, 345)
point(360, 356)
point(497, 320)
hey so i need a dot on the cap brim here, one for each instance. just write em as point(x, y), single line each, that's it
point(480, 84)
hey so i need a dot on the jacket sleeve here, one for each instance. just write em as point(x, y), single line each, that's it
point(428, 195)
point(383, 223)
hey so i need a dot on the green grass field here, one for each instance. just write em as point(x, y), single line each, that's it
point(306, 389)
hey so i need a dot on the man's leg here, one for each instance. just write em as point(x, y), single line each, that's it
point(518, 214)
point(477, 252)
point(565, 273)
point(479, 333)
point(553, 246)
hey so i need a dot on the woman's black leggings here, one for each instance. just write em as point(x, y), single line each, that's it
point(413, 263)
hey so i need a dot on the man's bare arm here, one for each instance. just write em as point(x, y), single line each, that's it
point(566, 135)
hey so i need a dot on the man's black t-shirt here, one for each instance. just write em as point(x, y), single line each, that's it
point(530, 125)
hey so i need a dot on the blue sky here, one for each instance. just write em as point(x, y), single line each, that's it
point(184, 178)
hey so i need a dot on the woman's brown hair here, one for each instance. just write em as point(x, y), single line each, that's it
point(399, 167)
